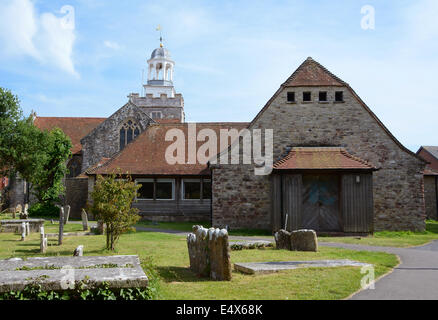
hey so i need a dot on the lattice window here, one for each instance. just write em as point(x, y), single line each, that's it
point(129, 131)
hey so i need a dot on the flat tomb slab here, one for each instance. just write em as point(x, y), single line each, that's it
point(14, 226)
point(270, 267)
point(59, 273)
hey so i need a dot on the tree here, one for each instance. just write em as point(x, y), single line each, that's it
point(47, 181)
point(38, 156)
point(112, 198)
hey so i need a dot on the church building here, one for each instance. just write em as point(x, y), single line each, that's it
point(336, 167)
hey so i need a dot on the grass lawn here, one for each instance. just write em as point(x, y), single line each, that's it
point(392, 238)
point(170, 259)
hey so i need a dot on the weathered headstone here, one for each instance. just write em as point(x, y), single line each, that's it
point(43, 239)
point(100, 227)
point(18, 209)
point(282, 239)
point(23, 231)
point(79, 251)
point(304, 240)
point(84, 220)
point(209, 253)
point(24, 215)
point(299, 240)
point(61, 225)
point(67, 213)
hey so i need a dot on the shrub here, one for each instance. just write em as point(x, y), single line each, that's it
point(112, 199)
point(43, 210)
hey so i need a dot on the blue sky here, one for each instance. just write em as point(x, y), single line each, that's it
point(231, 56)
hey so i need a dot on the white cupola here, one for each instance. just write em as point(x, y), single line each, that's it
point(160, 73)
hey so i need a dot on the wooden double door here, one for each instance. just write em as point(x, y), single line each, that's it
point(320, 202)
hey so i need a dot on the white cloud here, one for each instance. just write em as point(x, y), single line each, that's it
point(18, 26)
point(111, 44)
point(46, 37)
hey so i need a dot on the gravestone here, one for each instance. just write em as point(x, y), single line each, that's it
point(304, 240)
point(23, 231)
point(61, 225)
point(79, 251)
point(67, 213)
point(84, 220)
point(282, 239)
point(299, 240)
point(209, 253)
point(43, 241)
point(100, 227)
point(18, 209)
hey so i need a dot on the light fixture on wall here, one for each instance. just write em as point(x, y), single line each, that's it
point(357, 179)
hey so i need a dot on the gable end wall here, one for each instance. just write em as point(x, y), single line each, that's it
point(243, 200)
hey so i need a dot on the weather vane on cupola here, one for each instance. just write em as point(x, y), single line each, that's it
point(161, 37)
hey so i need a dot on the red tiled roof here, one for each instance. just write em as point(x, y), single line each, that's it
point(75, 128)
point(311, 73)
point(146, 154)
point(321, 158)
point(430, 172)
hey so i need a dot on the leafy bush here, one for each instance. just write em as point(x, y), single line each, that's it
point(112, 199)
point(43, 210)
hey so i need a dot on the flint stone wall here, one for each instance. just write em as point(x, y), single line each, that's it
point(243, 200)
point(104, 140)
point(209, 253)
point(430, 196)
point(76, 195)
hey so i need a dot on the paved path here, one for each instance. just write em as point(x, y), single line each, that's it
point(415, 278)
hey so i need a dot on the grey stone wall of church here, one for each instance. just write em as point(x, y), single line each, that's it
point(241, 199)
point(76, 195)
point(430, 196)
point(104, 141)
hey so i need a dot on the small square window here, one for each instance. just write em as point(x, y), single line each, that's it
point(156, 115)
point(146, 190)
point(339, 96)
point(164, 189)
point(192, 189)
point(307, 96)
point(323, 96)
point(291, 97)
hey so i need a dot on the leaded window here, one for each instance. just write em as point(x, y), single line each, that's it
point(128, 132)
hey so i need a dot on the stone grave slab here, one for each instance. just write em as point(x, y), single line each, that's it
point(56, 273)
point(14, 226)
point(270, 267)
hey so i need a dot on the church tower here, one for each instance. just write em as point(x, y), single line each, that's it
point(160, 101)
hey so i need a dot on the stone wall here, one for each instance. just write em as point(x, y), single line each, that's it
point(241, 199)
point(16, 192)
point(104, 141)
point(430, 196)
point(76, 195)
